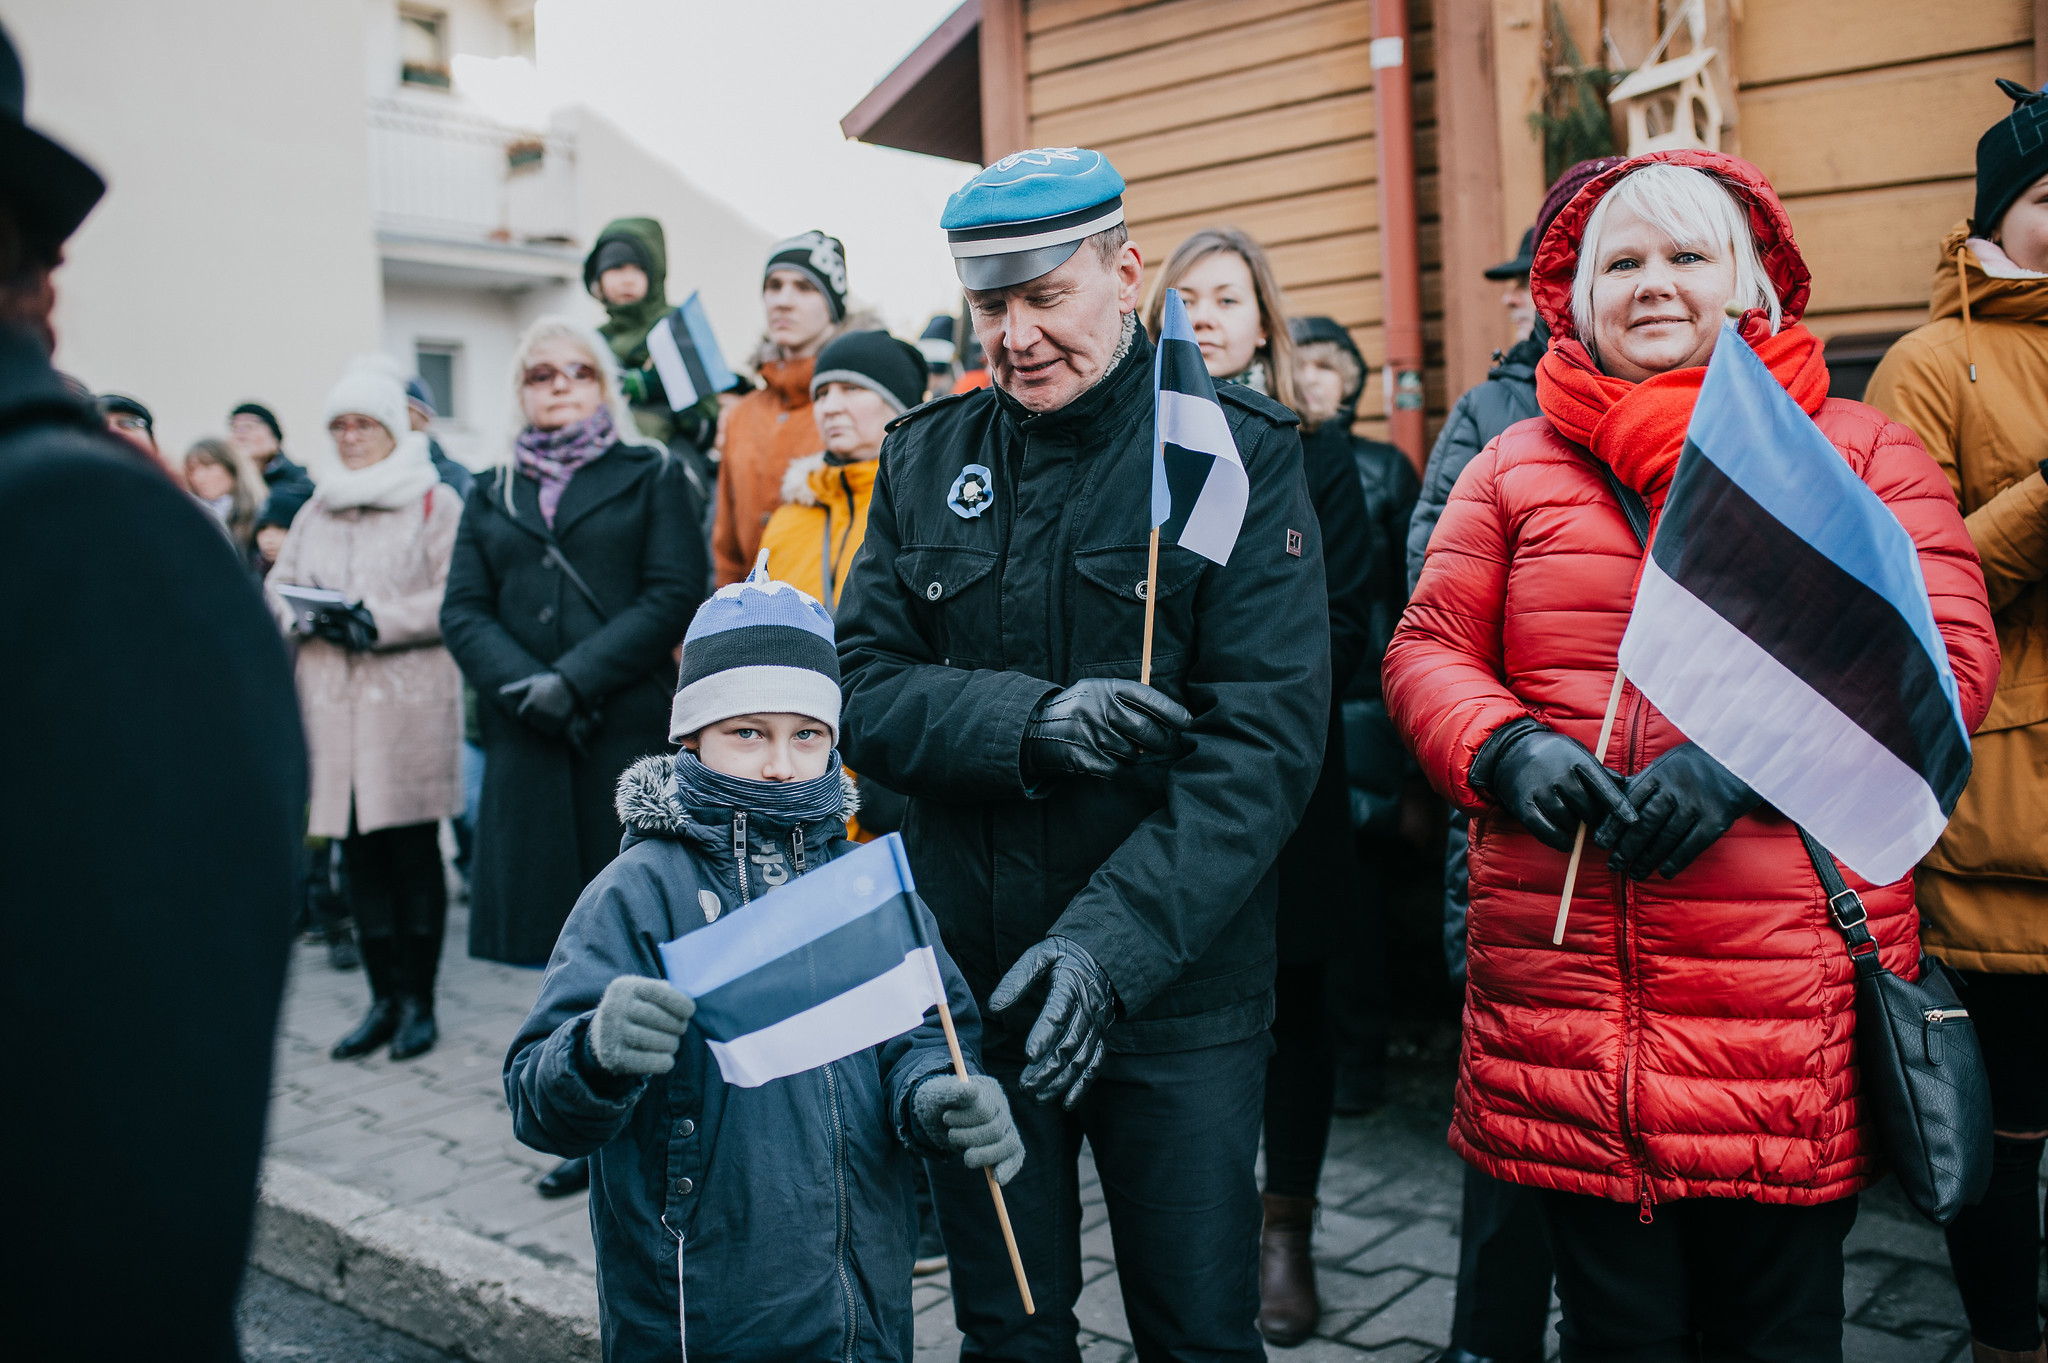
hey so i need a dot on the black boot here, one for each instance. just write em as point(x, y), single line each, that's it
point(341, 946)
point(380, 963)
point(416, 1033)
point(570, 1176)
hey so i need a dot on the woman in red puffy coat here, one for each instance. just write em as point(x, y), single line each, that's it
point(1680, 1075)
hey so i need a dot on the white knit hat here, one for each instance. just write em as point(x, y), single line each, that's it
point(371, 386)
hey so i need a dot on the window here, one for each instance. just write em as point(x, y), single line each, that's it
point(423, 47)
point(436, 363)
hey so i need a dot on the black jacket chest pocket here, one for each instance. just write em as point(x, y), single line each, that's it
point(1109, 611)
point(953, 599)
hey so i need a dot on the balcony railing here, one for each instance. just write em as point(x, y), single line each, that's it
point(451, 173)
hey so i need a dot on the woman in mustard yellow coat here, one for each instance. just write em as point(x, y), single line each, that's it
point(1973, 385)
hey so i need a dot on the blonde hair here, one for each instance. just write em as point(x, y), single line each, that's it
point(1331, 356)
point(1277, 350)
point(250, 491)
point(1693, 209)
point(611, 390)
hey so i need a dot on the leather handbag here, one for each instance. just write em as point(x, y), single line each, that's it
point(1923, 1071)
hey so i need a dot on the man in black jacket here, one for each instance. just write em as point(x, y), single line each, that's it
point(150, 805)
point(1098, 853)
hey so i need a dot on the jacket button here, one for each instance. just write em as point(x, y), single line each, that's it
point(935, 591)
point(547, 613)
point(548, 564)
point(685, 1186)
point(1139, 590)
point(686, 1127)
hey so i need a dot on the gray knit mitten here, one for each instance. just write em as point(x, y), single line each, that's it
point(638, 1025)
point(971, 1116)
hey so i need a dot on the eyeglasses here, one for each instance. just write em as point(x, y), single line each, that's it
point(544, 375)
point(125, 422)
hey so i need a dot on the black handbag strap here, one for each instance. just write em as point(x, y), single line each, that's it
point(553, 553)
point(1845, 907)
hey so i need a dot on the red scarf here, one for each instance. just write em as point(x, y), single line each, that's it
point(1638, 429)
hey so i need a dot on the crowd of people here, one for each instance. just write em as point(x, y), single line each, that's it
point(660, 658)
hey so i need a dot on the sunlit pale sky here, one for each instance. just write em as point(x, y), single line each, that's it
point(745, 99)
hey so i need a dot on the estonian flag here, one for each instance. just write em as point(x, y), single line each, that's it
point(686, 355)
point(1199, 486)
point(830, 963)
point(1783, 625)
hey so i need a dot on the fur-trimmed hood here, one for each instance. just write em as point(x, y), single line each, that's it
point(796, 479)
point(647, 808)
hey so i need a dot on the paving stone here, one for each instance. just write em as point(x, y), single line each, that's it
point(498, 1201)
point(1095, 1241)
point(1862, 1275)
point(562, 1241)
point(1904, 1236)
point(1321, 1351)
point(1339, 1235)
point(1865, 1345)
point(1421, 1315)
point(1101, 1309)
point(1104, 1351)
point(1348, 1297)
point(1407, 1351)
point(1917, 1300)
point(934, 1335)
point(1426, 1244)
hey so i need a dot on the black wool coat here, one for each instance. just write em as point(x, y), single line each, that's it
point(1319, 880)
point(152, 806)
point(953, 628)
point(547, 823)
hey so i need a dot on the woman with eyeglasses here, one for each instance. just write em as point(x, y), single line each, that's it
point(576, 570)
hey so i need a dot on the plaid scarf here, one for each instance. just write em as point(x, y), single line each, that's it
point(553, 457)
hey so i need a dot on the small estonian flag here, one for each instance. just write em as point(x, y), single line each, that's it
point(1199, 486)
point(828, 964)
point(686, 355)
point(1782, 623)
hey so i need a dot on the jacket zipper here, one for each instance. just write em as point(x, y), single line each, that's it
point(739, 850)
point(839, 1178)
point(1630, 1022)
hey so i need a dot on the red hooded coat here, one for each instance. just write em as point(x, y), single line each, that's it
point(1692, 1037)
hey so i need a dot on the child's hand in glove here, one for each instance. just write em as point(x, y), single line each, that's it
point(970, 1116)
point(638, 1025)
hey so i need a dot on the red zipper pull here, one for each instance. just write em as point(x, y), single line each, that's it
point(1643, 1200)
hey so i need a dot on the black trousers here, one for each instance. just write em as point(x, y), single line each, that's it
point(400, 900)
point(1301, 1079)
point(1503, 1301)
point(1708, 1280)
point(1995, 1246)
point(1175, 1137)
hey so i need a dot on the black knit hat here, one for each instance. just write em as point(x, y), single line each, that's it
point(262, 414)
point(610, 253)
point(820, 257)
point(876, 361)
point(2011, 155)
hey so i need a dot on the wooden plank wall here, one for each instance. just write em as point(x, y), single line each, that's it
point(1865, 114)
point(1251, 113)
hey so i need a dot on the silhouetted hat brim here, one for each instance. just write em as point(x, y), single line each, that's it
point(1525, 257)
point(1000, 272)
point(49, 190)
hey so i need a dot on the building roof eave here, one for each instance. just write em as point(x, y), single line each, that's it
point(930, 102)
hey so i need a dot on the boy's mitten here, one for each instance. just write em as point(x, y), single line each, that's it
point(970, 1116)
point(638, 1025)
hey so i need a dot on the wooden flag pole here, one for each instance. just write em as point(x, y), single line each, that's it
point(1571, 872)
point(995, 1189)
point(1151, 591)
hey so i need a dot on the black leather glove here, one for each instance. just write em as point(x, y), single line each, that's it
point(1065, 1044)
point(1097, 723)
point(1552, 784)
point(351, 627)
point(545, 700)
point(1683, 801)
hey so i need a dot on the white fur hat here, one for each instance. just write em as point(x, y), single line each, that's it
point(371, 386)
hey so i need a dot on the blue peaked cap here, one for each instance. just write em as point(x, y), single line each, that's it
point(1028, 213)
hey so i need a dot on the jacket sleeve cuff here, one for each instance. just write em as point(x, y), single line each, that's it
point(1480, 778)
point(600, 1081)
point(908, 1129)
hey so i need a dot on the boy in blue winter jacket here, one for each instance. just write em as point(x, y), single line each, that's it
point(739, 1223)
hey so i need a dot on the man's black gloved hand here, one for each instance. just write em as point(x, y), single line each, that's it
point(1097, 723)
point(1552, 784)
point(581, 729)
point(544, 700)
point(351, 627)
point(1683, 801)
point(1065, 1044)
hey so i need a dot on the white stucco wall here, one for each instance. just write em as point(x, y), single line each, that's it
point(230, 258)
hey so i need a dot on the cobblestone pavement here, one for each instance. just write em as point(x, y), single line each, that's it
point(433, 1135)
point(276, 1322)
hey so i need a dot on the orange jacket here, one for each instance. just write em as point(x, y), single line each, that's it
point(812, 537)
point(767, 429)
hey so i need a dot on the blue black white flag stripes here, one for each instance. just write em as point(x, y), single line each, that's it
point(828, 964)
point(1782, 623)
point(1199, 486)
point(686, 355)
